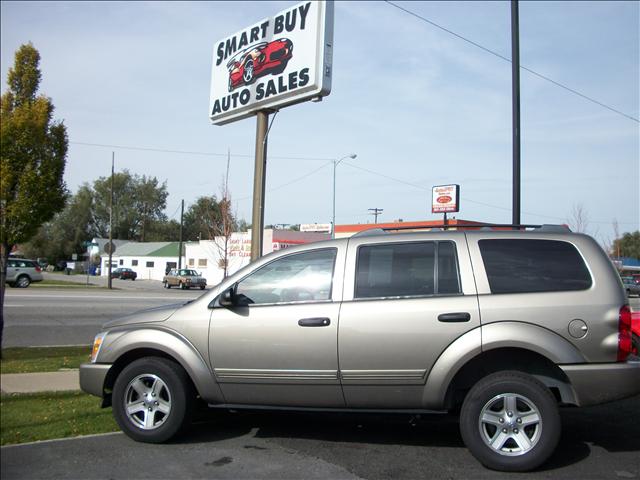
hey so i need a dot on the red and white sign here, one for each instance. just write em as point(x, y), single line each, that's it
point(445, 198)
point(278, 61)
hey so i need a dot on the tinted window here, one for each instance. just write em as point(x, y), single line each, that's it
point(518, 266)
point(295, 278)
point(408, 269)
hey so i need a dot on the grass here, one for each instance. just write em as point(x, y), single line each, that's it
point(45, 416)
point(42, 359)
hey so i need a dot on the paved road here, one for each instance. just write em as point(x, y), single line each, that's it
point(597, 443)
point(71, 316)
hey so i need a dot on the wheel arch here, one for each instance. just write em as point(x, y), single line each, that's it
point(501, 346)
point(132, 345)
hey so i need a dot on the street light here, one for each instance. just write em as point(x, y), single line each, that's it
point(335, 164)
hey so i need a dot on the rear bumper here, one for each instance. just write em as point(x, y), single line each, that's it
point(598, 383)
point(92, 376)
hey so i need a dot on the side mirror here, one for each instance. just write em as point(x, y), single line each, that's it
point(227, 298)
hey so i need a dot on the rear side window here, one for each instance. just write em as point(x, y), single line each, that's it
point(522, 266)
point(407, 269)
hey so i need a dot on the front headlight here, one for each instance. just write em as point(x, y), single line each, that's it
point(97, 343)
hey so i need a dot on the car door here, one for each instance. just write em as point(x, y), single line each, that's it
point(404, 304)
point(278, 347)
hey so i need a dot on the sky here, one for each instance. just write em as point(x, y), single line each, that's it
point(417, 105)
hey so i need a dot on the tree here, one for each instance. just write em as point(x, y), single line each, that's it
point(33, 151)
point(578, 218)
point(202, 219)
point(628, 245)
point(66, 233)
point(138, 203)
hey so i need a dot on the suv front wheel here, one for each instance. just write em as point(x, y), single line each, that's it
point(153, 399)
point(510, 422)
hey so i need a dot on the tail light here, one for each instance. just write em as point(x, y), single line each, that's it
point(624, 333)
point(38, 269)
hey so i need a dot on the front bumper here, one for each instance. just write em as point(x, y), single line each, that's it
point(598, 383)
point(92, 377)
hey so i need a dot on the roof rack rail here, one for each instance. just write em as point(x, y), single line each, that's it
point(369, 232)
point(485, 226)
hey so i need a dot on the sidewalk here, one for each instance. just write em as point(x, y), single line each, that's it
point(64, 380)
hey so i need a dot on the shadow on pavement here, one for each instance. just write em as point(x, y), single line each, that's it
point(613, 427)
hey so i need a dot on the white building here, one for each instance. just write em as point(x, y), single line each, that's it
point(149, 260)
point(207, 256)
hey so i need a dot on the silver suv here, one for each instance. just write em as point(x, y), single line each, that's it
point(22, 272)
point(502, 326)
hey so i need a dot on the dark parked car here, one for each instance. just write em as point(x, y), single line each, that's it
point(124, 274)
point(631, 286)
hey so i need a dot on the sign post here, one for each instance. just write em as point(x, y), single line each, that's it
point(279, 61)
point(444, 199)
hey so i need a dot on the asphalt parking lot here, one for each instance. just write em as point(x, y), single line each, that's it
point(600, 442)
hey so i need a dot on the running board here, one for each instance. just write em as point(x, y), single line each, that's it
point(409, 411)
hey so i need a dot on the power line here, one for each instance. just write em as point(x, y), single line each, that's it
point(187, 152)
point(295, 180)
point(466, 199)
point(492, 52)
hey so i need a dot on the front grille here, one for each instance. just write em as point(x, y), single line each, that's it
point(277, 55)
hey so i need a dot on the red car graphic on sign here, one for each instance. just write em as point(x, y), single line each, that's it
point(258, 60)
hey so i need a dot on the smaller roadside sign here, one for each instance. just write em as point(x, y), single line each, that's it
point(109, 247)
point(445, 198)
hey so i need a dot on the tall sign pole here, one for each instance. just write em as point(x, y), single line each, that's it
point(260, 170)
point(180, 243)
point(298, 43)
point(109, 281)
point(515, 96)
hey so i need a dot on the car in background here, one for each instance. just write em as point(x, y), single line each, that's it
point(22, 272)
point(124, 274)
point(631, 286)
point(184, 278)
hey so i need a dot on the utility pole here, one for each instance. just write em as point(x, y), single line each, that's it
point(375, 212)
point(180, 244)
point(515, 98)
point(109, 281)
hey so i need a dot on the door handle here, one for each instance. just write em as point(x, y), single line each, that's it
point(454, 317)
point(314, 322)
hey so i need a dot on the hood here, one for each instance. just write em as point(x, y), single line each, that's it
point(155, 314)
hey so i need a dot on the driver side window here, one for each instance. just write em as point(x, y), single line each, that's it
point(301, 277)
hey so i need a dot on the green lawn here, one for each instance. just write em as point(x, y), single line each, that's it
point(44, 416)
point(42, 359)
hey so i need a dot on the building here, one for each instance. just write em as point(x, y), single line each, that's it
point(149, 260)
point(208, 256)
point(349, 230)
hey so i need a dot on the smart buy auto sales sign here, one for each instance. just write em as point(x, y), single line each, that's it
point(279, 61)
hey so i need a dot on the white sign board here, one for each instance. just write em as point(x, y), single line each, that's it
point(445, 198)
point(315, 227)
point(278, 61)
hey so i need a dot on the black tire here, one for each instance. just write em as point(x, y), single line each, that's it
point(23, 281)
point(202, 287)
point(174, 389)
point(248, 76)
point(517, 448)
point(166, 285)
point(635, 343)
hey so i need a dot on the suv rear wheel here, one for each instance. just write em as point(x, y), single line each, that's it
point(510, 421)
point(153, 399)
point(23, 281)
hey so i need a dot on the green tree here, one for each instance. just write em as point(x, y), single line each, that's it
point(628, 245)
point(33, 151)
point(65, 234)
point(138, 203)
point(203, 219)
